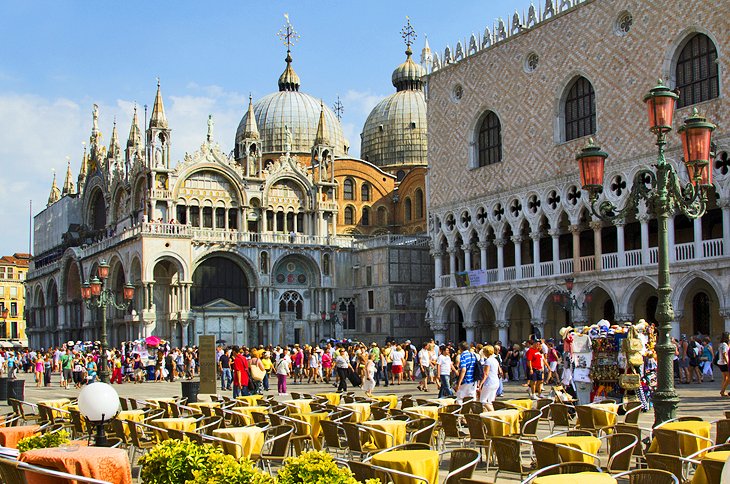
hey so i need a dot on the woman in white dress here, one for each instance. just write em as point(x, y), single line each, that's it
point(490, 380)
point(369, 383)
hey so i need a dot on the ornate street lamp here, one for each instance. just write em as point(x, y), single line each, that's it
point(664, 194)
point(96, 296)
point(568, 301)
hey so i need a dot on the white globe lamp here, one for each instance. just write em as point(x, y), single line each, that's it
point(99, 403)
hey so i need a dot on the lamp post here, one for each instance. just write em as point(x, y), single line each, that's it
point(567, 300)
point(4, 328)
point(95, 295)
point(662, 191)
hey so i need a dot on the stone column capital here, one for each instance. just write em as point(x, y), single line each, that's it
point(554, 233)
point(470, 324)
point(574, 229)
point(517, 239)
point(536, 236)
point(436, 253)
point(438, 326)
point(502, 324)
point(499, 242)
point(483, 245)
point(596, 225)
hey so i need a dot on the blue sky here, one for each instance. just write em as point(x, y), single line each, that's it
point(57, 58)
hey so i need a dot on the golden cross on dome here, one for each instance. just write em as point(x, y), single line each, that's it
point(408, 33)
point(287, 34)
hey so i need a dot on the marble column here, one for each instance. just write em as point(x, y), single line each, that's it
point(575, 230)
point(644, 221)
point(555, 235)
point(467, 256)
point(453, 269)
point(725, 313)
point(499, 243)
point(697, 239)
point(470, 327)
point(517, 241)
point(597, 245)
point(676, 324)
point(725, 206)
point(439, 331)
point(535, 236)
point(620, 242)
point(502, 327)
point(670, 239)
point(539, 326)
point(483, 254)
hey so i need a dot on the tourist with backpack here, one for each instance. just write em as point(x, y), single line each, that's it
point(470, 372)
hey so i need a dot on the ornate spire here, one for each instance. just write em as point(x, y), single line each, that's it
point(68, 184)
point(407, 76)
point(251, 131)
point(321, 138)
point(409, 36)
point(289, 80)
point(55, 192)
point(84, 168)
point(426, 56)
point(158, 119)
point(135, 136)
point(114, 149)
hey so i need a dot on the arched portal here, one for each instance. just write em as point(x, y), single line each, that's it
point(454, 319)
point(97, 211)
point(219, 296)
point(50, 335)
point(643, 303)
point(485, 316)
point(520, 319)
point(701, 309)
point(74, 304)
point(601, 306)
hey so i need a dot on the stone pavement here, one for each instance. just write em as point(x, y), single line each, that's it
point(703, 400)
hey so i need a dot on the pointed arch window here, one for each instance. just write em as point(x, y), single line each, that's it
point(697, 72)
point(419, 204)
point(408, 211)
point(365, 192)
point(349, 215)
point(490, 140)
point(348, 189)
point(580, 110)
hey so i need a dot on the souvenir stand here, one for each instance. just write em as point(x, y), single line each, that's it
point(605, 368)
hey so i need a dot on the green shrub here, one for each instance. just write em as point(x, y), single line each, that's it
point(314, 468)
point(175, 461)
point(43, 441)
point(225, 469)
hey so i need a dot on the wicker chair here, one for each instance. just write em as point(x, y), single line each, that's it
point(648, 476)
point(530, 421)
point(586, 422)
point(276, 446)
point(671, 463)
point(362, 471)
point(462, 463)
point(634, 430)
point(563, 468)
point(9, 472)
point(713, 470)
point(667, 441)
point(633, 411)
point(472, 407)
point(546, 453)
point(560, 416)
point(478, 435)
point(509, 456)
point(422, 430)
point(335, 440)
point(451, 428)
point(722, 433)
point(620, 451)
point(140, 441)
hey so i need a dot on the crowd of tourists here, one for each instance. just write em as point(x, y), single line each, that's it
point(449, 369)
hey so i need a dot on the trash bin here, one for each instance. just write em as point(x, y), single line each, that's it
point(3, 388)
point(16, 389)
point(190, 390)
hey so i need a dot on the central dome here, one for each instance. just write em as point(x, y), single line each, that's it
point(297, 111)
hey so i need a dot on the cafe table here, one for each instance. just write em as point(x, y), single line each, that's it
point(587, 444)
point(298, 406)
point(361, 411)
point(201, 405)
point(250, 399)
point(604, 414)
point(700, 477)
point(245, 412)
point(10, 436)
point(102, 463)
point(392, 399)
point(422, 463)
point(378, 440)
point(579, 478)
point(522, 403)
point(185, 424)
point(250, 440)
point(60, 403)
point(688, 444)
point(314, 420)
point(332, 397)
point(424, 411)
point(133, 415)
point(502, 423)
point(442, 401)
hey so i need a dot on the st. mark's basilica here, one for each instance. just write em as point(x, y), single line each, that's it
point(471, 235)
point(288, 238)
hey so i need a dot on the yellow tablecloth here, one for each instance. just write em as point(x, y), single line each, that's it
point(687, 444)
point(133, 415)
point(502, 423)
point(199, 405)
point(424, 410)
point(602, 416)
point(298, 406)
point(333, 398)
point(155, 402)
point(186, 424)
point(361, 411)
point(251, 440)
point(392, 399)
point(61, 403)
point(422, 463)
point(313, 419)
point(396, 428)
point(442, 401)
point(700, 477)
point(525, 403)
point(250, 399)
point(587, 444)
point(246, 412)
point(580, 478)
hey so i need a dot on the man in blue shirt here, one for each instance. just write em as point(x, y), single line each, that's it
point(466, 386)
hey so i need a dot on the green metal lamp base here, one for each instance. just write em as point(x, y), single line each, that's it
point(665, 406)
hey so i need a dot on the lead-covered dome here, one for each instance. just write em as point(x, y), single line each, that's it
point(395, 131)
point(295, 110)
